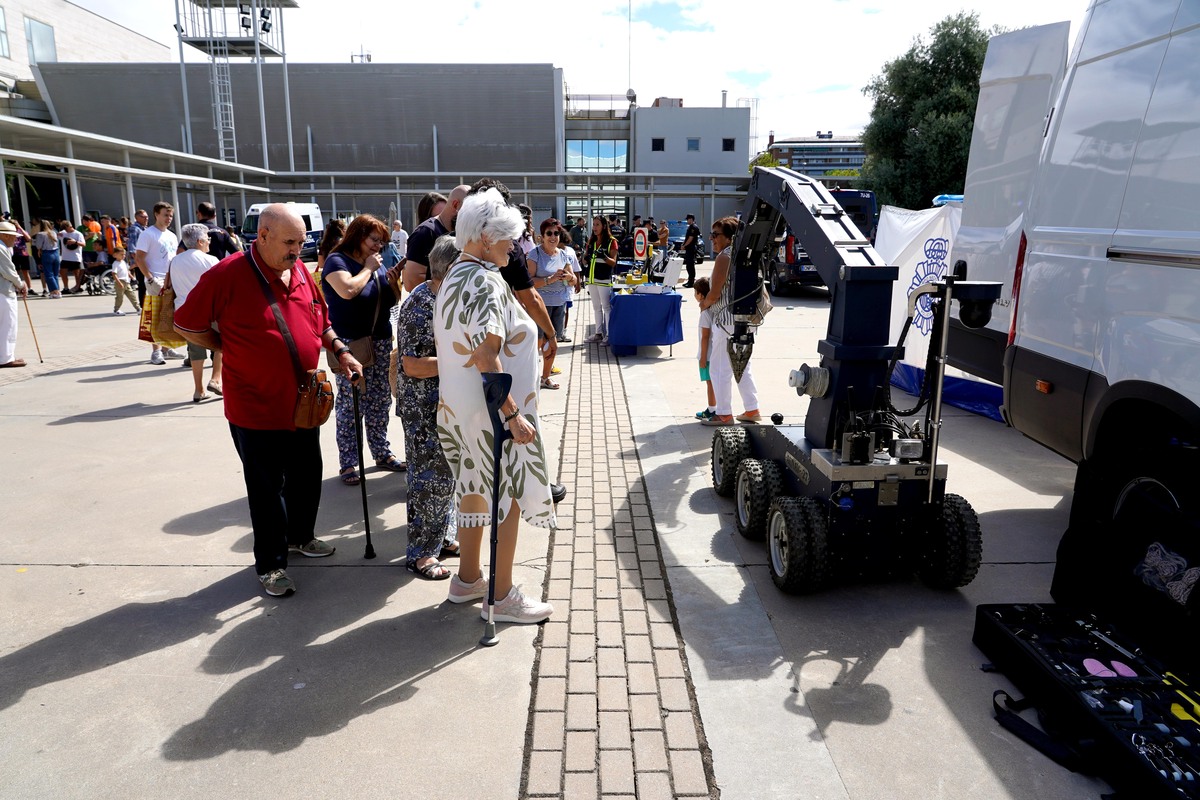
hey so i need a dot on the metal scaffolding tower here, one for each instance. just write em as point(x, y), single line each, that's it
point(224, 29)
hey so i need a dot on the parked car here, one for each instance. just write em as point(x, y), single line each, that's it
point(678, 232)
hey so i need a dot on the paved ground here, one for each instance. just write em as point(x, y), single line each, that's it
point(141, 660)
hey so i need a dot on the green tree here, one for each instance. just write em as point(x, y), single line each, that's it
point(843, 173)
point(764, 159)
point(919, 135)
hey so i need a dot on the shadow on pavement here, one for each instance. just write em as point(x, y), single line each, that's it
point(318, 689)
point(130, 410)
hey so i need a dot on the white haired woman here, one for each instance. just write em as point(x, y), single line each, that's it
point(480, 327)
point(185, 271)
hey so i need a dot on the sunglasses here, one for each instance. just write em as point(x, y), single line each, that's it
point(550, 233)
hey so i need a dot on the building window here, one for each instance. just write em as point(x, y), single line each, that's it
point(693, 144)
point(39, 37)
point(609, 156)
point(658, 145)
point(727, 145)
point(4, 35)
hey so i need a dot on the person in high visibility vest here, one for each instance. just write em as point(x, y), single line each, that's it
point(600, 257)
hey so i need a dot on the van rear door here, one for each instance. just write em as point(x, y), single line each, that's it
point(1021, 76)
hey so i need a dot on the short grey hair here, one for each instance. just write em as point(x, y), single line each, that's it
point(443, 254)
point(192, 233)
point(487, 215)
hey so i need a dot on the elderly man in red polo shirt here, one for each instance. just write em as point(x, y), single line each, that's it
point(228, 311)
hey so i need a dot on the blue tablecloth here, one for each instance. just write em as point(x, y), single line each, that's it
point(642, 319)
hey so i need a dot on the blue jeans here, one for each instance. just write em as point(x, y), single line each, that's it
point(283, 486)
point(51, 262)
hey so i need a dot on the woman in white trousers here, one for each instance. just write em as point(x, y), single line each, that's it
point(720, 369)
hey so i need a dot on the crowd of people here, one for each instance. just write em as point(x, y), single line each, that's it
point(415, 319)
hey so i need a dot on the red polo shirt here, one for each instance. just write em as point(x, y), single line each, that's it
point(259, 380)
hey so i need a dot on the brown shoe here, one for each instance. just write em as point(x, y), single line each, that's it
point(16, 362)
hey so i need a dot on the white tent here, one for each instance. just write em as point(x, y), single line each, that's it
point(919, 243)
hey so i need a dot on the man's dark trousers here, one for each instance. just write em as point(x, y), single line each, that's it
point(689, 263)
point(283, 485)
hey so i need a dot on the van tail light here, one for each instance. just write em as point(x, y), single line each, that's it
point(790, 250)
point(1016, 289)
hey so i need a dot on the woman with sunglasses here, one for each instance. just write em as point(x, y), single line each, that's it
point(360, 297)
point(552, 267)
point(720, 368)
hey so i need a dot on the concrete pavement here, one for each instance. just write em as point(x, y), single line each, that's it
point(141, 659)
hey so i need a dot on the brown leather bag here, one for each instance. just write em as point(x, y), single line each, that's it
point(314, 400)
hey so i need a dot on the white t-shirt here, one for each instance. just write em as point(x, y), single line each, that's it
point(121, 270)
point(66, 253)
point(400, 239)
point(186, 269)
point(706, 322)
point(159, 247)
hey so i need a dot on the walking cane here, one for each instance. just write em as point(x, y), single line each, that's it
point(495, 390)
point(362, 470)
point(32, 330)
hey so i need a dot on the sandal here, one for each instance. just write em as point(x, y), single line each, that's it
point(392, 463)
point(433, 571)
point(450, 550)
point(548, 384)
point(349, 476)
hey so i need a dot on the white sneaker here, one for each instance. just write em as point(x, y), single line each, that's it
point(516, 607)
point(157, 357)
point(169, 353)
point(463, 592)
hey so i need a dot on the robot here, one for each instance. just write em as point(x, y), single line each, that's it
point(856, 491)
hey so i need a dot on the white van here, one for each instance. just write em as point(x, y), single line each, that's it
point(314, 225)
point(1083, 198)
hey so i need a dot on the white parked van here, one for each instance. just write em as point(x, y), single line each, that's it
point(1083, 197)
point(314, 225)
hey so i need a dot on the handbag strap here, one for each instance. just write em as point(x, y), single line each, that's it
point(279, 321)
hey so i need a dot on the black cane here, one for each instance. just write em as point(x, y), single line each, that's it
point(495, 389)
point(362, 470)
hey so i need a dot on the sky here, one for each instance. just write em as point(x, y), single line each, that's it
point(805, 61)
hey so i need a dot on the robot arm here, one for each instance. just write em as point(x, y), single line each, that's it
point(855, 353)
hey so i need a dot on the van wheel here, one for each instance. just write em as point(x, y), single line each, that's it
point(758, 483)
point(729, 447)
point(1122, 503)
point(797, 543)
point(952, 546)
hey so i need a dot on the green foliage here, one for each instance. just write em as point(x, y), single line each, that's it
point(924, 105)
point(843, 173)
point(764, 159)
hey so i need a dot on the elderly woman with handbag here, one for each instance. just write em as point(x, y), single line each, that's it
point(479, 327)
point(360, 297)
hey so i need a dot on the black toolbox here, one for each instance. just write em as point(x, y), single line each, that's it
point(1120, 712)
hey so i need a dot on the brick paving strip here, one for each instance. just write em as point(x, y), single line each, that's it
point(613, 710)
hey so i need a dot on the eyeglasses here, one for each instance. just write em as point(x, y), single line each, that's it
point(376, 240)
point(550, 233)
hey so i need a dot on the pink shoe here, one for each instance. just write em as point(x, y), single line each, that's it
point(463, 592)
point(516, 607)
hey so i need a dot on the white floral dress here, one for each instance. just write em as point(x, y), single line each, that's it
point(473, 301)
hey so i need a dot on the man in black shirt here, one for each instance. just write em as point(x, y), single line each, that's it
point(219, 242)
point(416, 269)
point(690, 240)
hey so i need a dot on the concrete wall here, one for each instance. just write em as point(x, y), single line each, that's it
point(79, 35)
point(367, 117)
point(675, 125)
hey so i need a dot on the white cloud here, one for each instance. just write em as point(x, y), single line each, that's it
point(799, 53)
